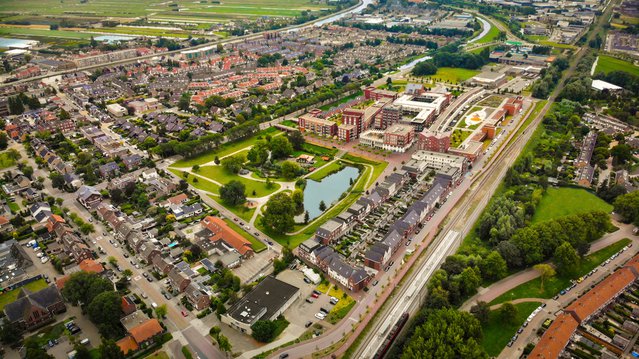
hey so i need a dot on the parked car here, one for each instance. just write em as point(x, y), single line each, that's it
point(310, 300)
point(320, 316)
point(314, 295)
point(375, 282)
point(308, 324)
point(306, 280)
point(317, 291)
point(324, 310)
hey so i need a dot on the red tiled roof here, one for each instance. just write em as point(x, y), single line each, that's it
point(178, 199)
point(555, 338)
point(3, 220)
point(127, 344)
point(89, 265)
point(602, 293)
point(146, 330)
point(222, 231)
point(61, 281)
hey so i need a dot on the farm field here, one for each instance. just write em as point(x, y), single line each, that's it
point(175, 9)
point(558, 202)
point(28, 32)
point(607, 64)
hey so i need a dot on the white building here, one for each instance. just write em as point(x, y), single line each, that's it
point(117, 110)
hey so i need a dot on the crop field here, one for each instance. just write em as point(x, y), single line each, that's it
point(607, 64)
point(176, 8)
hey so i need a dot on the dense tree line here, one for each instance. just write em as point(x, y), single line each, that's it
point(549, 78)
point(409, 29)
point(578, 86)
point(627, 206)
point(410, 41)
point(17, 103)
point(467, 60)
point(445, 333)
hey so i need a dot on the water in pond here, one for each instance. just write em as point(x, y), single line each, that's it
point(328, 190)
point(114, 38)
point(16, 43)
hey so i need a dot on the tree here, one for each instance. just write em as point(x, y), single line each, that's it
point(196, 168)
point(296, 139)
point(627, 206)
point(545, 271)
point(224, 343)
point(306, 217)
point(161, 311)
point(258, 154)
point(424, 68)
point(185, 102)
point(35, 351)
point(233, 164)
point(57, 180)
point(621, 153)
point(266, 331)
point(322, 206)
point(494, 267)
point(290, 169)
point(508, 313)
point(481, 311)
point(82, 287)
point(280, 147)
point(8, 335)
point(298, 199)
point(233, 193)
point(27, 171)
point(81, 352)
point(4, 141)
point(434, 337)
point(105, 311)
point(566, 259)
point(110, 350)
point(280, 213)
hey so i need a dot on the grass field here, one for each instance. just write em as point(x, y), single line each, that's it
point(224, 150)
point(452, 74)
point(492, 34)
point(552, 286)
point(258, 246)
point(557, 45)
point(558, 202)
point(26, 32)
point(497, 333)
point(11, 296)
point(345, 99)
point(143, 31)
point(201, 183)
point(6, 160)
point(325, 171)
point(158, 355)
point(144, 8)
point(607, 64)
point(220, 175)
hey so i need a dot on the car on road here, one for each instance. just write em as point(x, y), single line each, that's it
point(256, 234)
point(144, 295)
point(269, 243)
point(562, 292)
point(149, 279)
point(236, 219)
point(387, 269)
point(282, 356)
point(375, 282)
point(184, 314)
point(168, 296)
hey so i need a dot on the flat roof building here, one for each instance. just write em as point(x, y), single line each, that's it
point(266, 301)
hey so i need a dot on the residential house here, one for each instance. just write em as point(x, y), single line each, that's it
point(221, 232)
point(141, 336)
point(161, 265)
point(32, 310)
point(197, 297)
point(178, 280)
point(89, 197)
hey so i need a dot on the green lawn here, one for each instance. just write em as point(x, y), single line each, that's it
point(552, 286)
point(242, 212)
point(319, 150)
point(220, 175)
point(158, 355)
point(607, 64)
point(345, 99)
point(9, 31)
point(497, 333)
point(225, 149)
point(258, 246)
point(452, 74)
point(492, 34)
point(557, 45)
point(326, 170)
point(201, 183)
point(558, 202)
point(11, 296)
point(378, 168)
point(6, 161)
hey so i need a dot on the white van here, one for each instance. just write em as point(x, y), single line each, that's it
point(85, 341)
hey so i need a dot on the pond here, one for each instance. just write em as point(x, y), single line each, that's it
point(328, 190)
point(16, 43)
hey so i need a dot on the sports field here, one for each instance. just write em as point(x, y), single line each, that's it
point(607, 64)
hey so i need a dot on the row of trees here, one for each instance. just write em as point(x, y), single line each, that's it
point(549, 78)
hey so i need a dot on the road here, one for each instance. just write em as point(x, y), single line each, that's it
point(320, 21)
